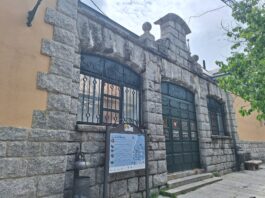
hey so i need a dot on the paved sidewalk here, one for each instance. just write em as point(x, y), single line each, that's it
point(246, 184)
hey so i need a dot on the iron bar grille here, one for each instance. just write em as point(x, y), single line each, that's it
point(216, 117)
point(109, 93)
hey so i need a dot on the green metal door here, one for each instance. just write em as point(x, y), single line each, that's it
point(180, 128)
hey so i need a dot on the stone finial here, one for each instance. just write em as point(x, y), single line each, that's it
point(147, 27)
point(195, 58)
point(147, 37)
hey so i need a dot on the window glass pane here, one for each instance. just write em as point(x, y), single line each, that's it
point(89, 99)
point(166, 132)
point(175, 112)
point(216, 115)
point(220, 123)
point(176, 135)
point(174, 103)
point(193, 126)
point(131, 105)
point(193, 135)
point(110, 117)
point(184, 125)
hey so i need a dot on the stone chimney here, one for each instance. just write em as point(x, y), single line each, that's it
point(173, 34)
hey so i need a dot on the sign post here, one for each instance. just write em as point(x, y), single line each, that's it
point(126, 150)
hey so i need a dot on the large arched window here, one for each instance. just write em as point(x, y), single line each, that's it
point(109, 92)
point(216, 116)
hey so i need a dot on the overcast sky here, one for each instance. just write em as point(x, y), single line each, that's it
point(208, 39)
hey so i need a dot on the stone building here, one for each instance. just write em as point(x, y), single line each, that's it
point(92, 72)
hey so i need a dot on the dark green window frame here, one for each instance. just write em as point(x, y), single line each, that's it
point(109, 92)
point(216, 117)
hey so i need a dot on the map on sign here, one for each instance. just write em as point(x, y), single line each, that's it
point(127, 152)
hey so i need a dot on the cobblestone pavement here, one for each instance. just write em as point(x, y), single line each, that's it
point(245, 184)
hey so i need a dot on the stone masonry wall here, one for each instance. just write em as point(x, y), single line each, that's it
point(256, 149)
point(33, 162)
point(38, 162)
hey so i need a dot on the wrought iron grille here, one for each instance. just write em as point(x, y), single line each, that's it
point(109, 92)
point(216, 117)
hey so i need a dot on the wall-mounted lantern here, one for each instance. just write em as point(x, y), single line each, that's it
point(32, 13)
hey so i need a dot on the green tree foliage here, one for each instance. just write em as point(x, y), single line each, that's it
point(246, 66)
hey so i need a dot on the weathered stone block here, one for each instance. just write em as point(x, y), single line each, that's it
point(24, 187)
point(61, 67)
point(56, 49)
point(152, 167)
point(23, 149)
point(141, 183)
point(137, 195)
point(63, 36)
point(75, 90)
point(77, 60)
point(54, 83)
point(133, 185)
point(74, 104)
point(76, 75)
point(39, 119)
point(56, 18)
point(162, 166)
point(54, 148)
point(67, 8)
point(49, 135)
point(12, 167)
point(72, 146)
point(2, 149)
point(50, 185)
point(160, 180)
point(60, 120)
point(11, 133)
point(59, 102)
point(46, 165)
point(118, 188)
point(159, 155)
point(93, 147)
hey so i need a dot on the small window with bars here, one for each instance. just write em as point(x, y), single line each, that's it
point(216, 117)
point(109, 94)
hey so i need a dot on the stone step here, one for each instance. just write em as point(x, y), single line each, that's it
point(190, 187)
point(187, 180)
point(182, 174)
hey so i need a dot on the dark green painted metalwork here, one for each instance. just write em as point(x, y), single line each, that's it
point(217, 117)
point(109, 92)
point(31, 14)
point(180, 128)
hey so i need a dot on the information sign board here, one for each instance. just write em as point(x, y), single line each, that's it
point(126, 152)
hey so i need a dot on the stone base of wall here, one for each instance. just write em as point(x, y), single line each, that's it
point(256, 149)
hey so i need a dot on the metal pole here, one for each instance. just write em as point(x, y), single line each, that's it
point(146, 165)
point(106, 171)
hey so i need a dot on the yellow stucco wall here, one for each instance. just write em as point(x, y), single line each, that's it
point(249, 128)
point(20, 60)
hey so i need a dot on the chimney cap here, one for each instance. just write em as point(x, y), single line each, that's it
point(175, 18)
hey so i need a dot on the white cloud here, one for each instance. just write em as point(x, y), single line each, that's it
point(207, 39)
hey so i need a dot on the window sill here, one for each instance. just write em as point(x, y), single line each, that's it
point(91, 128)
point(221, 137)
